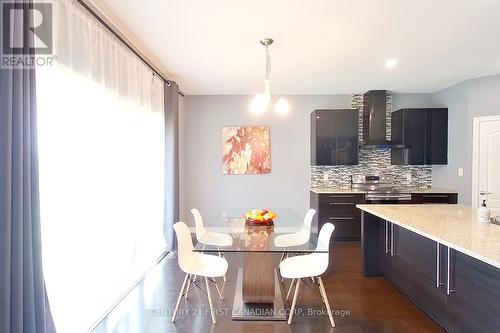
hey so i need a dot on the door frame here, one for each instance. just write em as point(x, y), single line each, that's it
point(475, 155)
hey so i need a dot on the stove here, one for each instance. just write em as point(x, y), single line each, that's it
point(379, 189)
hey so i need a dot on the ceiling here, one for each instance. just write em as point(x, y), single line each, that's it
point(321, 46)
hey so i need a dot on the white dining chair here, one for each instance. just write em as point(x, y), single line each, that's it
point(210, 238)
point(297, 238)
point(197, 264)
point(310, 266)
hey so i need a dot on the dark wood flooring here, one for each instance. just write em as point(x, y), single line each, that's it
point(363, 304)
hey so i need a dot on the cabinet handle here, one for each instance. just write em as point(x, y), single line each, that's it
point(341, 196)
point(449, 288)
point(386, 237)
point(341, 218)
point(434, 196)
point(438, 266)
point(392, 239)
point(341, 203)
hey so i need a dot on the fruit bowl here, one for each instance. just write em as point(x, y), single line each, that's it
point(260, 217)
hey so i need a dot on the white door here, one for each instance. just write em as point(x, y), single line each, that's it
point(486, 163)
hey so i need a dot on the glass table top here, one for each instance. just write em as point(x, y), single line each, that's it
point(256, 238)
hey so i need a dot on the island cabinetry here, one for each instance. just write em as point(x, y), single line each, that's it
point(474, 295)
point(400, 252)
point(459, 292)
point(428, 277)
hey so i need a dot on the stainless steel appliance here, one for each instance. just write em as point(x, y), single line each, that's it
point(379, 189)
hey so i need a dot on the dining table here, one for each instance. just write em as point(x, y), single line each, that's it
point(258, 294)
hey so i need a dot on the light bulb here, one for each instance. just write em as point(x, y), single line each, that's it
point(391, 63)
point(282, 106)
point(259, 104)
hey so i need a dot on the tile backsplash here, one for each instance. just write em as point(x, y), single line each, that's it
point(372, 161)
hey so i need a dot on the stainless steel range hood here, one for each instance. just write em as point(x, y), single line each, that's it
point(374, 120)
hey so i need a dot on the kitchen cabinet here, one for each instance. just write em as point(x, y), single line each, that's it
point(420, 136)
point(334, 137)
point(472, 305)
point(339, 209)
point(427, 286)
point(434, 198)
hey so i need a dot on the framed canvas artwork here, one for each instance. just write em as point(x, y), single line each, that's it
point(246, 150)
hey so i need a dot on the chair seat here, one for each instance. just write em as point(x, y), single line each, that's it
point(290, 240)
point(303, 266)
point(216, 239)
point(205, 265)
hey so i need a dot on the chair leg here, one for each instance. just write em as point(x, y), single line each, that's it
point(218, 290)
point(210, 301)
point(221, 254)
point(187, 288)
point(284, 256)
point(289, 290)
point(179, 299)
point(325, 299)
point(294, 302)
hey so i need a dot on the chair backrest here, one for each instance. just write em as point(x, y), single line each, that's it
point(323, 243)
point(308, 219)
point(325, 234)
point(305, 233)
point(184, 243)
point(198, 221)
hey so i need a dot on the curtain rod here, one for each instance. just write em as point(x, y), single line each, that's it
point(92, 10)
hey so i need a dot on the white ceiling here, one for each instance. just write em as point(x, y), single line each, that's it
point(321, 46)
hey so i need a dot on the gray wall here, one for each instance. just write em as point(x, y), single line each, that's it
point(205, 187)
point(466, 100)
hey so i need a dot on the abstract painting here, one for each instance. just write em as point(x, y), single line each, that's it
point(246, 150)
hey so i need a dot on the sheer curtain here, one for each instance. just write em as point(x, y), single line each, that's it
point(101, 151)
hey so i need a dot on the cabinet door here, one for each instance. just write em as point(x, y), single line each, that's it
point(473, 305)
point(437, 136)
point(384, 256)
point(414, 135)
point(426, 282)
point(347, 133)
point(334, 137)
point(400, 252)
point(323, 137)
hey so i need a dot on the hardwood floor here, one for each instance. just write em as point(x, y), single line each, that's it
point(362, 304)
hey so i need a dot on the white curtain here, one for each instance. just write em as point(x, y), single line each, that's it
point(101, 151)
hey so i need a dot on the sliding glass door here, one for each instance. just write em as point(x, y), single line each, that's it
point(101, 151)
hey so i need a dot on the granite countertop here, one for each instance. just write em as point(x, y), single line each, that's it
point(454, 226)
point(334, 190)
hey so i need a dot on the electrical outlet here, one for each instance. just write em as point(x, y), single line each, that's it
point(325, 176)
point(460, 172)
point(408, 178)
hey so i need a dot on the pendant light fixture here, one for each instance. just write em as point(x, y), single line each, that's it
point(263, 102)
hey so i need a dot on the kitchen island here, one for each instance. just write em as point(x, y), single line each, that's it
point(440, 258)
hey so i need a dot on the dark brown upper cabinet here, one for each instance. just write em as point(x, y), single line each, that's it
point(423, 135)
point(334, 137)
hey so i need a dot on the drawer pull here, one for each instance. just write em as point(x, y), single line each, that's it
point(392, 239)
point(341, 196)
point(386, 237)
point(341, 203)
point(434, 196)
point(438, 266)
point(449, 288)
point(341, 218)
